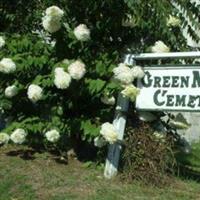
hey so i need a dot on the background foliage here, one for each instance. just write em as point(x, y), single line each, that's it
point(116, 28)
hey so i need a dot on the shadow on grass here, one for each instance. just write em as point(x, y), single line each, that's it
point(30, 154)
point(186, 172)
point(26, 154)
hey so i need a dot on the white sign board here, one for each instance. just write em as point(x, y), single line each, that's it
point(170, 88)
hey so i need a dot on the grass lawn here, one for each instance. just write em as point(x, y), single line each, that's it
point(42, 178)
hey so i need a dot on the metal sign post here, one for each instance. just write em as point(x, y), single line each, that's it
point(119, 121)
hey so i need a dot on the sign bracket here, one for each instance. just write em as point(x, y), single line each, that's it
point(119, 123)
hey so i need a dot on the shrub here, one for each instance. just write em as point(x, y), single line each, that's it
point(148, 157)
point(90, 35)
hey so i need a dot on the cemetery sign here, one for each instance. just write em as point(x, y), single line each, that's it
point(162, 88)
point(170, 88)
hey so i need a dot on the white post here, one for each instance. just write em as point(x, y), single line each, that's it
point(119, 123)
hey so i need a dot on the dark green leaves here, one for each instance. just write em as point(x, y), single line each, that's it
point(89, 130)
point(95, 86)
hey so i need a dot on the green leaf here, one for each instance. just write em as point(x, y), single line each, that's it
point(95, 86)
point(89, 129)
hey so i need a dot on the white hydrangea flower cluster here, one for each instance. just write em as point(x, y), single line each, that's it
point(125, 75)
point(7, 66)
point(4, 138)
point(77, 70)
point(52, 20)
point(62, 79)
point(130, 92)
point(138, 72)
point(18, 136)
point(54, 11)
point(160, 47)
point(34, 93)
point(52, 23)
point(82, 32)
point(173, 21)
point(2, 42)
point(109, 132)
point(11, 91)
point(52, 135)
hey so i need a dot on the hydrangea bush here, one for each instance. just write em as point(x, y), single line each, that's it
point(59, 82)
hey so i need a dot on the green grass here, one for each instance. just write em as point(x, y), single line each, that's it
point(192, 159)
point(42, 178)
point(190, 163)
